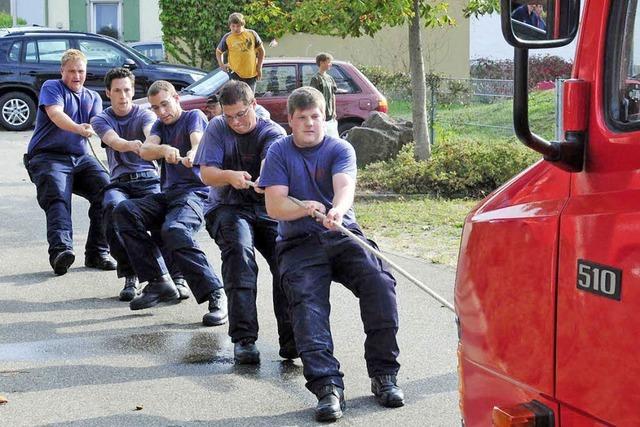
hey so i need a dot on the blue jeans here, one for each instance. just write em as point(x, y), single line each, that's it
point(56, 177)
point(237, 230)
point(308, 264)
point(178, 215)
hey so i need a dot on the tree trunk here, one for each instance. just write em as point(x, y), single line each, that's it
point(418, 87)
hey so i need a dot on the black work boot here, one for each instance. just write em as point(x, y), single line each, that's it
point(100, 261)
point(245, 352)
point(182, 287)
point(158, 290)
point(331, 403)
point(288, 350)
point(217, 314)
point(130, 290)
point(387, 393)
point(62, 261)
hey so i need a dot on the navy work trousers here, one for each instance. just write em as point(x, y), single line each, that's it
point(178, 215)
point(115, 193)
point(56, 177)
point(238, 231)
point(308, 264)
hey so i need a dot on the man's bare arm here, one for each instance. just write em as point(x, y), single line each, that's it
point(122, 145)
point(152, 150)
point(220, 60)
point(63, 121)
point(217, 177)
point(260, 53)
point(281, 208)
point(344, 189)
point(194, 138)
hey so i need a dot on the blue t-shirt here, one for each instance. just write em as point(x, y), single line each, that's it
point(308, 172)
point(178, 135)
point(129, 127)
point(223, 148)
point(80, 106)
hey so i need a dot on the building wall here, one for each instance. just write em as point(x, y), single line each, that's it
point(149, 17)
point(445, 50)
point(486, 41)
point(150, 27)
point(58, 14)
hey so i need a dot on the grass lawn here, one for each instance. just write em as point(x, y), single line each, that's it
point(430, 228)
point(423, 227)
point(495, 118)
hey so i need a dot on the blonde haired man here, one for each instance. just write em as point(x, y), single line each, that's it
point(59, 164)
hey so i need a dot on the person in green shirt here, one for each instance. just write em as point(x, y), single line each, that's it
point(327, 86)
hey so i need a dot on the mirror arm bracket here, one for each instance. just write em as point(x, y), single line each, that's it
point(568, 155)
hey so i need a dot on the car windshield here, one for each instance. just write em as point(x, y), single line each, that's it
point(209, 84)
point(137, 54)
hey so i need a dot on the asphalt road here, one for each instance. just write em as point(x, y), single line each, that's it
point(72, 354)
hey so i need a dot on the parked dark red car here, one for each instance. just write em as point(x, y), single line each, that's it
point(357, 97)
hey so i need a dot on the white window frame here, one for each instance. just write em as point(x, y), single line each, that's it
point(92, 15)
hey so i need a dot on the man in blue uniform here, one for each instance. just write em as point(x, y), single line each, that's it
point(59, 164)
point(231, 153)
point(176, 211)
point(321, 171)
point(122, 128)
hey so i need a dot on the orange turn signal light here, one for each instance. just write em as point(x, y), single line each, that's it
point(383, 106)
point(531, 414)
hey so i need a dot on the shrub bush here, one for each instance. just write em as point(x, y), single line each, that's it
point(460, 168)
point(392, 85)
point(541, 68)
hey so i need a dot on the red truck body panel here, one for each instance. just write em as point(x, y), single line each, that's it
point(527, 331)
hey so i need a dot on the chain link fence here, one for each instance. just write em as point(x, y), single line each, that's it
point(474, 106)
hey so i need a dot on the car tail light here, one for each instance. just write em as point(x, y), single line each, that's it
point(383, 107)
point(531, 414)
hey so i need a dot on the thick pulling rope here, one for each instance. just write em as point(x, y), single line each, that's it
point(106, 169)
point(377, 253)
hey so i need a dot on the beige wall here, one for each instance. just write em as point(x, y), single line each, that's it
point(445, 50)
point(150, 27)
point(58, 14)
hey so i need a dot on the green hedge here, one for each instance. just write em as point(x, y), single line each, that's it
point(460, 168)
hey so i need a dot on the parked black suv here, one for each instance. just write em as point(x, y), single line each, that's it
point(31, 55)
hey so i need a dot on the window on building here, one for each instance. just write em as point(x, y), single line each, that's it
point(106, 18)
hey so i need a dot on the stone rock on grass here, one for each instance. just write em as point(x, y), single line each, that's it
point(379, 138)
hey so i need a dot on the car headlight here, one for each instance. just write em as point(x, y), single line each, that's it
point(196, 76)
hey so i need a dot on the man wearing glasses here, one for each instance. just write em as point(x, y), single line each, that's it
point(233, 148)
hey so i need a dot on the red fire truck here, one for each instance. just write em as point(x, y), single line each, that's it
point(548, 283)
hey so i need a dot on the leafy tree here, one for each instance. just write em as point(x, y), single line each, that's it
point(367, 17)
point(6, 20)
point(192, 28)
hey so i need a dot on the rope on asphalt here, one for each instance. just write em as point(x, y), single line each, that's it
point(377, 253)
point(94, 153)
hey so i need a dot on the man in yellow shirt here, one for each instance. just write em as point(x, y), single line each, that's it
point(244, 50)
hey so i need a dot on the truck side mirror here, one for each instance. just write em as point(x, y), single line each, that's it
point(129, 64)
point(535, 24)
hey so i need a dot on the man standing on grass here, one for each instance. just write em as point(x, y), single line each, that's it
point(59, 164)
point(244, 50)
point(176, 211)
point(122, 128)
point(321, 171)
